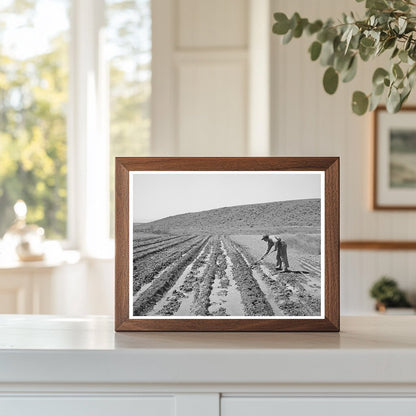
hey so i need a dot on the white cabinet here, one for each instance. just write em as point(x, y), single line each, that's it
point(204, 405)
point(272, 406)
point(88, 406)
point(79, 366)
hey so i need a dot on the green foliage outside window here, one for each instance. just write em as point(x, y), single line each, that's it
point(34, 103)
point(33, 99)
point(129, 41)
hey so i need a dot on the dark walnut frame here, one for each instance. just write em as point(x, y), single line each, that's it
point(329, 165)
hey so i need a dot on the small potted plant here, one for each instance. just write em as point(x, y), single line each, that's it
point(387, 294)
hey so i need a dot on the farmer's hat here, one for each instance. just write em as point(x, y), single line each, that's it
point(265, 237)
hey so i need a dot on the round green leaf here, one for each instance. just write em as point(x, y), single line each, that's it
point(397, 71)
point(342, 61)
point(355, 41)
point(294, 20)
point(408, 42)
point(327, 54)
point(288, 37)
point(366, 53)
point(351, 71)
point(403, 55)
point(379, 75)
point(315, 50)
point(404, 96)
point(393, 101)
point(298, 30)
point(374, 102)
point(359, 103)
point(281, 27)
point(330, 80)
point(389, 43)
point(314, 27)
point(378, 90)
point(412, 52)
point(395, 52)
point(367, 42)
point(376, 4)
point(412, 70)
point(322, 36)
point(411, 76)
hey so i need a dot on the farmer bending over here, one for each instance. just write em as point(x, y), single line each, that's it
point(281, 251)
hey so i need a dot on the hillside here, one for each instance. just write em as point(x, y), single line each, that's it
point(273, 217)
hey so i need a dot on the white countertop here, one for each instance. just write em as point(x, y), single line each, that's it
point(52, 349)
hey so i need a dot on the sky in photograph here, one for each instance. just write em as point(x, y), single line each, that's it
point(161, 195)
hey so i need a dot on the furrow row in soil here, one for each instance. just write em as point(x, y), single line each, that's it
point(182, 289)
point(289, 288)
point(147, 269)
point(165, 280)
point(253, 297)
point(140, 245)
point(161, 247)
point(225, 298)
point(203, 287)
point(138, 240)
point(193, 280)
point(218, 295)
point(309, 267)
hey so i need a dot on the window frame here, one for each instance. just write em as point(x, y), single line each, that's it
point(87, 133)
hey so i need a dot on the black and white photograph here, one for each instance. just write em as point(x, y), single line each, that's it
point(226, 244)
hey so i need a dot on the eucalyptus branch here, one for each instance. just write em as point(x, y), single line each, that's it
point(389, 25)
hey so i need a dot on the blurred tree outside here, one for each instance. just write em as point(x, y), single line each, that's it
point(34, 67)
point(33, 99)
point(129, 43)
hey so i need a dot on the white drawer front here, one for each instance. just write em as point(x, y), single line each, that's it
point(87, 406)
point(271, 406)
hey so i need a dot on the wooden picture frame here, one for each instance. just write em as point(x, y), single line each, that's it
point(129, 190)
point(390, 191)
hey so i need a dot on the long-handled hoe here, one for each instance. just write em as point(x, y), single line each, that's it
point(257, 262)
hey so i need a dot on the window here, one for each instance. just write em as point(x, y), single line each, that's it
point(33, 100)
point(75, 87)
point(129, 46)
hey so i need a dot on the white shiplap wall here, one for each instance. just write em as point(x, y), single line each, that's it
point(305, 121)
point(200, 77)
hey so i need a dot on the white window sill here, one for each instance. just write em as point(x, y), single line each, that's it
point(55, 256)
point(8, 262)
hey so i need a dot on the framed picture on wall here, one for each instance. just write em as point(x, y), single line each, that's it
point(227, 244)
point(394, 178)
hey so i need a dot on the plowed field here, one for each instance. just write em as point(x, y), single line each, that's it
point(212, 275)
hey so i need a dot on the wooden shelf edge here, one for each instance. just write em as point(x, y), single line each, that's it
point(378, 245)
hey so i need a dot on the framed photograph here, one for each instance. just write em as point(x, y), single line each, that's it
point(227, 244)
point(394, 179)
